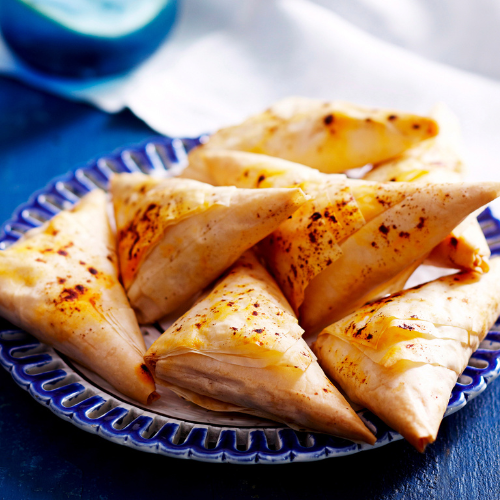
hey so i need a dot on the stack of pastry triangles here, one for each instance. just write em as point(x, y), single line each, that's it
point(330, 245)
point(350, 229)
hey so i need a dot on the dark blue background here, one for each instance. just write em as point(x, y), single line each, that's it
point(43, 457)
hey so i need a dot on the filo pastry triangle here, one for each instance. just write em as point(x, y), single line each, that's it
point(240, 348)
point(387, 245)
point(331, 136)
point(175, 236)
point(59, 282)
point(439, 159)
point(401, 356)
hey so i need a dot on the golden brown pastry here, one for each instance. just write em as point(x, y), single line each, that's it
point(175, 236)
point(439, 160)
point(330, 136)
point(402, 355)
point(59, 282)
point(240, 348)
point(387, 245)
point(354, 240)
point(309, 240)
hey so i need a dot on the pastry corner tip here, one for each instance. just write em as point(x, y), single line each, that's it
point(420, 443)
point(154, 396)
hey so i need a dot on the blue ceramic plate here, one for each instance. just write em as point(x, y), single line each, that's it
point(176, 428)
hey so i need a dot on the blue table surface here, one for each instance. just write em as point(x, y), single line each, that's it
point(42, 457)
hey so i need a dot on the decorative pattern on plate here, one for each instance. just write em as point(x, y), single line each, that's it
point(52, 380)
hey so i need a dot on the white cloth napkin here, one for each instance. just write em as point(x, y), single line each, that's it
point(228, 59)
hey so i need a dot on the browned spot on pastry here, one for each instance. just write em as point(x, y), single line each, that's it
point(71, 294)
point(331, 217)
point(358, 333)
point(144, 374)
point(328, 119)
point(150, 208)
point(407, 327)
